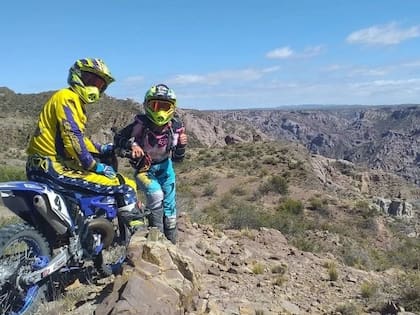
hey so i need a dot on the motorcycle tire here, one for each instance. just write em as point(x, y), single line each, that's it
point(20, 246)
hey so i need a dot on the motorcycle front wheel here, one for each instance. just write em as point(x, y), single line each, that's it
point(22, 250)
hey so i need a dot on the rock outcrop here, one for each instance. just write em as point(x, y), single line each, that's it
point(233, 272)
point(394, 207)
point(158, 279)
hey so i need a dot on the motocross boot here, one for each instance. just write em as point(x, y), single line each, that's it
point(133, 215)
point(171, 234)
point(170, 228)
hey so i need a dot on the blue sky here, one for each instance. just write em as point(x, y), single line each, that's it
point(221, 54)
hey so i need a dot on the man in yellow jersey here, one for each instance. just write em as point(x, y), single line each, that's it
point(59, 152)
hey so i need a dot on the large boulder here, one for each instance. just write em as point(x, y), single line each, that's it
point(158, 279)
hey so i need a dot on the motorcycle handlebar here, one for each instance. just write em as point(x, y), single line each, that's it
point(124, 153)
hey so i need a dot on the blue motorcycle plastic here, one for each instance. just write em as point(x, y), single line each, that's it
point(61, 230)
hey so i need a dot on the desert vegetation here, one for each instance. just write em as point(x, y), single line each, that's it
point(249, 186)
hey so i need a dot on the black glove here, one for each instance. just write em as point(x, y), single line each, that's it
point(142, 164)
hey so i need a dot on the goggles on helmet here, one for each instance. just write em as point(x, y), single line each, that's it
point(158, 105)
point(92, 79)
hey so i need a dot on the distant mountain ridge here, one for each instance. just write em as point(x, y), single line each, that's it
point(386, 137)
point(377, 137)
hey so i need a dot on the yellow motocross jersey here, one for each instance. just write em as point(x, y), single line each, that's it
point(60, 130)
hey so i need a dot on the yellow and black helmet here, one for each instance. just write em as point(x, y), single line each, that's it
point(89, 78)
point(159, 104)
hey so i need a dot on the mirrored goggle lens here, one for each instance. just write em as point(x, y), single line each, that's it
point(159, 105)
point(92, 79)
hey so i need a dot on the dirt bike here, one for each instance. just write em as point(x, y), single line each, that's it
point(61, 231)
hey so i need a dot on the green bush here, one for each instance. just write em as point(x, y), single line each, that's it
point(354, 254)
point(289, 223)
point(185, 191)
point(348, 309)
point(258, 268)
point(10, 173)
point(410, 295)
point(212, 214)
point(279, 269)
point(362, 207)
point(319, 205)
point(245, 216)
point(279, 184)
point(332, 272)
point(209, 190)
point(292, 206)
point(303, 243)
point(238, 191)
point(407, 254)
point(368, 289)
point(275, 183)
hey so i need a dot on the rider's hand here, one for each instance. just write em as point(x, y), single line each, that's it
point(183, 139)
point(107, 148)
point(136, 151)
point(106, 170)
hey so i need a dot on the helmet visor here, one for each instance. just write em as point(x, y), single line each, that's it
point(92, 79)
point(158, 105)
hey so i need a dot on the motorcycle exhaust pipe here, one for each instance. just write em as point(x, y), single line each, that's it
point(44, 209)
point(103, 227)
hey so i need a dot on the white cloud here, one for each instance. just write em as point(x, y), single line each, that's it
point(280, 53)
point(286, 52)
point(187, 79)
point(354, 71)
point(277, 93)
point(254, 87)
point(312, 51)
point(215, 78)
point(413, 64)
point(408, 83)
point(368, 72)
point(389, 34)
point(270, 69)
